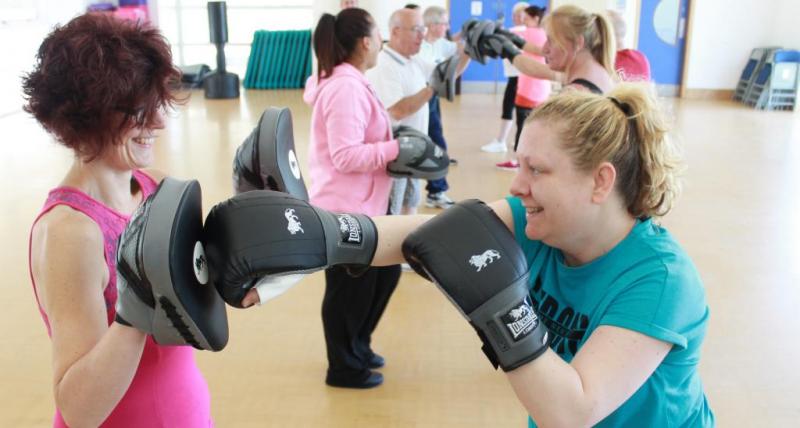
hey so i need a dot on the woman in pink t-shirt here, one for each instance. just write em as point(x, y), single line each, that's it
point(100, 86)
point(531, 91)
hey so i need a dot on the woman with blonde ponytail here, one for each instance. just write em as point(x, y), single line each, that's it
point(580, 50)
point(582, 46)
point(624, 303)
point(623, 300)
point(610, 330)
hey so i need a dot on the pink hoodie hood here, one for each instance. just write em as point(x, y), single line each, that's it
point(342, 71)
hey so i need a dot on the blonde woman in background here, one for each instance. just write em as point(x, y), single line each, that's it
point(580, 50)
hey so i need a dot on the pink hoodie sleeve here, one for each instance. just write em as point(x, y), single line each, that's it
point(347, 110)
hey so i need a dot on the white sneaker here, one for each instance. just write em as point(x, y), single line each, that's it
point(405, 267)
point(495, 147)
point(438, 200)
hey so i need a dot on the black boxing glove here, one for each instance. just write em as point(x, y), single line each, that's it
point(516, 39)
point(263, 232)
point(498, 46)
point(472, 32)
point(473, 258)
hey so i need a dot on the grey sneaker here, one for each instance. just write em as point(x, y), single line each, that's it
point(438, 200)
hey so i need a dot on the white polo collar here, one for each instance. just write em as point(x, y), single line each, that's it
point(400, 59)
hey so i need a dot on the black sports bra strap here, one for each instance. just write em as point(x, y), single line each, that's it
point(588, 85)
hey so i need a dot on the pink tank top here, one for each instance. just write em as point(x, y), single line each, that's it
point(168, 389)
point(532, 91)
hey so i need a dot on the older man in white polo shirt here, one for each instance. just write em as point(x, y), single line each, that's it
point(401, 80)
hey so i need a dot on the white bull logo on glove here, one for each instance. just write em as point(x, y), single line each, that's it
point(521, 312)
point(294, 225)
point(480, 261)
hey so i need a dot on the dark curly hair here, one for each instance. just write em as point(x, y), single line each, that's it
point(98, 76)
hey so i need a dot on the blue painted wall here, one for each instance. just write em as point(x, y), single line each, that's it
point(492, 9)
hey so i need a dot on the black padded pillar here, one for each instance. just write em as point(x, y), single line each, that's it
point(219, 83)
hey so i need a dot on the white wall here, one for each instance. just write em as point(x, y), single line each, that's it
point(723, 34)
point(20, 40)
point(59, 12)
point(788, 30)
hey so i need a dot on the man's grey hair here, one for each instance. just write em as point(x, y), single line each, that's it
point(518, 6)
point(434, 15)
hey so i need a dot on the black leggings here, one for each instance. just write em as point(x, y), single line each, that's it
point(508, 98)
point(522, 114)
point(351, 309)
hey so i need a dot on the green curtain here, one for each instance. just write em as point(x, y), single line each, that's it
point(279, 60)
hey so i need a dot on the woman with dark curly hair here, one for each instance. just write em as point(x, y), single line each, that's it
point(100, 87)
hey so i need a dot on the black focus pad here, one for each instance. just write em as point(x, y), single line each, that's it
point(261, 233)
point(418, 156)
point(444, 78)
point(161, 249)
point(473, 253)
point(516, 39)
point(266, 160)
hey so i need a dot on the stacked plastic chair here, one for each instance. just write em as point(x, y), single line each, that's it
point(783, 84)
point(279, 60)
point(758, 58)
point(776, 84)
point(755, 96)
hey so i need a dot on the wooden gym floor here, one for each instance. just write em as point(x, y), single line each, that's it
point(738, 219)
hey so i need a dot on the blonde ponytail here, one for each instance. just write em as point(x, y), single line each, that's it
point(570, 22)
point(659, 160)
point(626, 128)
point(605, 44)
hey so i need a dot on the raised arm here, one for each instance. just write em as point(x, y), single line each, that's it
point(534, 68)
point(532, 48)
point(267, 233)
point(410, 104)
point(93, 364)
point(393, 230)
point(519, 41)
point(499, 46)
point(463, 60)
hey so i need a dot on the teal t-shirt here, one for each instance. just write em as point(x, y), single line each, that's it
point(647, 284)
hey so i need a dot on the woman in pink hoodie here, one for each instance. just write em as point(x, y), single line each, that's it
point(351, 144)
